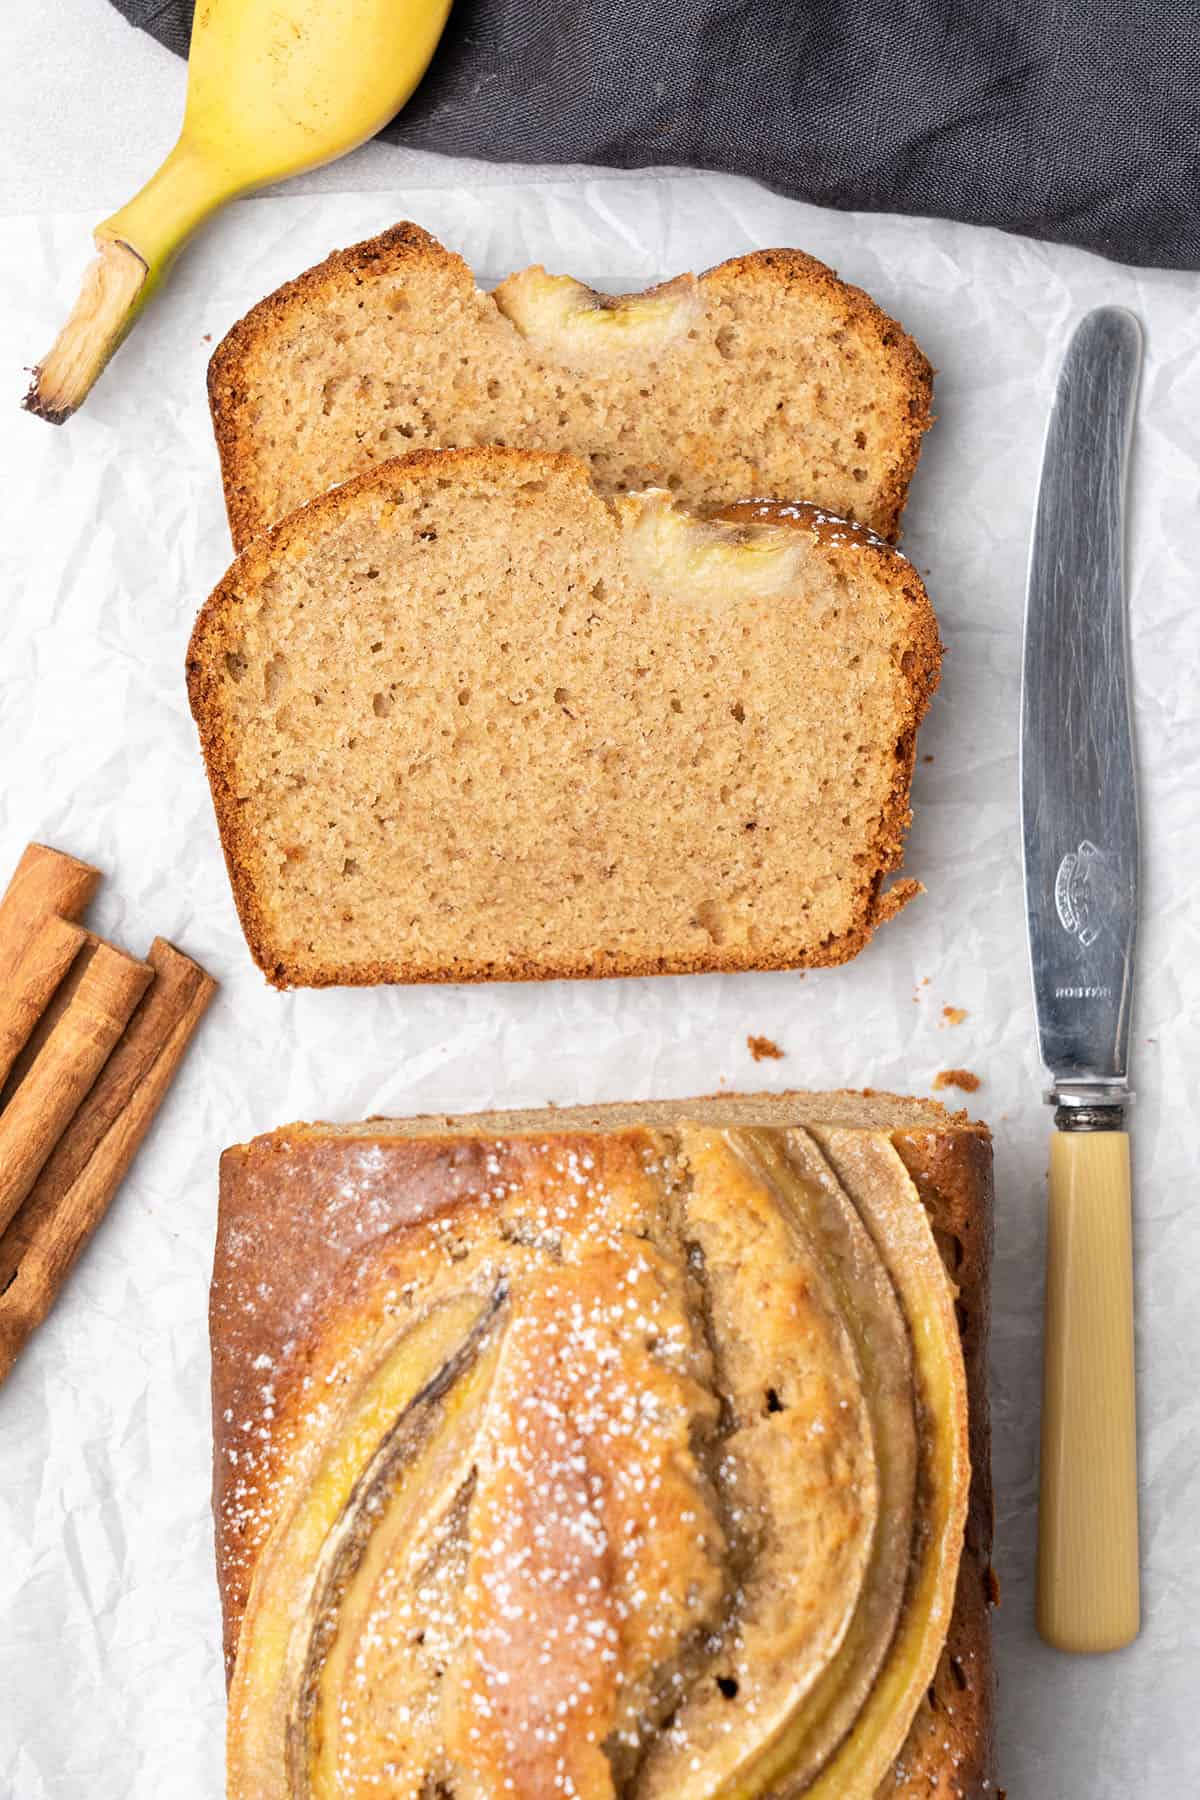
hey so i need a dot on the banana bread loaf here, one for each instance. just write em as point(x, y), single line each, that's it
point(614, 1451)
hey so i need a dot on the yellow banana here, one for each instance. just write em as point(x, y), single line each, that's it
point(274, 87)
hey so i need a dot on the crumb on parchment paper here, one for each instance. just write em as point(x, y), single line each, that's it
point(954, 1015)
point(764, 1047)
point(959, 1078)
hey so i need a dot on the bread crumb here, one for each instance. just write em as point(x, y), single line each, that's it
point(959, 1078)
point(764, 1047)
point(954, 1015)
point(925, 759)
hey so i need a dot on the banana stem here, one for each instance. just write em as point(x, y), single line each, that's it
point(135, 247)
point(108, 300)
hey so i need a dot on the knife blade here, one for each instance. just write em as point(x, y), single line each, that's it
point(1078, 789)
point(1079, 820)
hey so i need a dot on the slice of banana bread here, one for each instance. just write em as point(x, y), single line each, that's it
point(767, 375)
point(466, 720)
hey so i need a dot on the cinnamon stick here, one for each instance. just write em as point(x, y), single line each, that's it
point(61, 1061)
point(29, 989)
point(60, 1000)
point(79, 1179)
point(44, 882)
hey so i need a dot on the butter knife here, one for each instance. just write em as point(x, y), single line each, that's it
point(1080, 837)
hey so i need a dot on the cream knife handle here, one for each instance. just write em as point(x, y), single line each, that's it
point(1088, 1527)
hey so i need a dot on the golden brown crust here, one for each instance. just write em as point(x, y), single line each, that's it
point(840, 539)
point(405, 243)
point(305, 1211)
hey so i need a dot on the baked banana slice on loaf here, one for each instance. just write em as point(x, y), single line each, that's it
point(614, 1453)
point(767, 375)
point(466, 720)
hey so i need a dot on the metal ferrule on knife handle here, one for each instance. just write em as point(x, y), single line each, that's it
point(1090, 1105)
point(1080, 839)
point(1099, 1110)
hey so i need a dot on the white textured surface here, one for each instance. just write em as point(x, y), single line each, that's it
point(112, 532)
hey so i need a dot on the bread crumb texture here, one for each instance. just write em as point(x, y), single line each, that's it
point(767, 375)
point(957, 1078)
point(464, 719)
point(764, 1049)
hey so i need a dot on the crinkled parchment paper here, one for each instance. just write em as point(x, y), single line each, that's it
point(113, 532)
